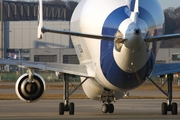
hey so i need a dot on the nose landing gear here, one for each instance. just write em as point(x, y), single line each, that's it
point(107, 97)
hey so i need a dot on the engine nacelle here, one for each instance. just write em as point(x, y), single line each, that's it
point(30, 91)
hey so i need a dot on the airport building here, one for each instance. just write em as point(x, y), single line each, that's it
point(21, 43)
point(168, 55)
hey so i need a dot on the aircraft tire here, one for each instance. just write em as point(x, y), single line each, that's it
point(111, 108)
point(174, 109)
point(61, 108)
point(105, 108)
point(71, 109)
point(164, 108)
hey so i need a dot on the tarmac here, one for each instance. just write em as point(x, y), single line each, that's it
point(85, 109)
point(131, 109)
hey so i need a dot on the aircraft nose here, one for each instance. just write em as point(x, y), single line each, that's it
point(137, 31)
point(134, 39)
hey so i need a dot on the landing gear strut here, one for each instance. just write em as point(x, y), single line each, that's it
point(107, 97)
point(168, 106)
point(66, 106)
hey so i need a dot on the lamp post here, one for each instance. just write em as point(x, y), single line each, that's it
point(19, 60)
point(2, 31)
point(19, 54)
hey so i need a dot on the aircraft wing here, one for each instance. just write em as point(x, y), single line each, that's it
point(161, 37)
point(73, 69)
point(163, 69)
point(66, 32)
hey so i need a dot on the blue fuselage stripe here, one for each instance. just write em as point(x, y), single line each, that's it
point(110, 28)
point(113, 73)
point(132, 5)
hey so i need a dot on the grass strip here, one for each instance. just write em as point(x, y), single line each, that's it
point(77, 96)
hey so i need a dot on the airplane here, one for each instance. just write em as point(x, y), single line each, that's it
point(116, 43)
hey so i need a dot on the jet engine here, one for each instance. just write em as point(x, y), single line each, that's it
point(30, 90)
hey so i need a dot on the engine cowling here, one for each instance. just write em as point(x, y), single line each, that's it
point(30, 91)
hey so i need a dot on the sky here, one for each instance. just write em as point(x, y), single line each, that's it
point(169, 3)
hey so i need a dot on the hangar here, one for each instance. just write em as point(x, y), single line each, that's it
point(21, 42)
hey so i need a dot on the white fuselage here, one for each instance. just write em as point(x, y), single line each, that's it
point(116, 66)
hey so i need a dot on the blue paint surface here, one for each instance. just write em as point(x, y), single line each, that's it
point(110, 69)
point(132, 5)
